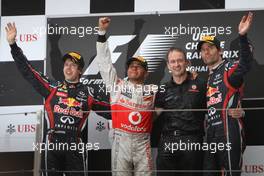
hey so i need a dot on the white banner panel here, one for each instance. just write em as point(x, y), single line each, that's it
point(0, 7)
point(243, 4)
point(156, 5)
point(253, 164)
point(31, 37)
point(70, 7)
point(98, 131)
point(18, 128)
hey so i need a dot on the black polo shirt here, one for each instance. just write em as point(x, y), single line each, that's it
point(191, 94)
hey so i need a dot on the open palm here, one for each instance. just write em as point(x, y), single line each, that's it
point(11, 33)
point(245, 23)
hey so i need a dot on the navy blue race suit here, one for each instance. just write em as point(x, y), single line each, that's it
point(67, 107)
point(224, 91)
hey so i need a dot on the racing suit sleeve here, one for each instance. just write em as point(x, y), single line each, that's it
point(104, 61)
point(237, 70)
point(100, 107)
point(40, 83)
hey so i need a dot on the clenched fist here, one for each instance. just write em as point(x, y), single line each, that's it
point(104, 23)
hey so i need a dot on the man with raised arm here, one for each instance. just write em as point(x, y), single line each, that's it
point(132, 103)
point(67, 106)
point(224, 91)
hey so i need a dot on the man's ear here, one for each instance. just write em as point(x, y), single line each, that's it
point(188, 62)
point(168, 67)
point(80, 71)
point(221, 51)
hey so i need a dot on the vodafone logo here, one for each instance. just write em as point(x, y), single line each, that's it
point(135, 118)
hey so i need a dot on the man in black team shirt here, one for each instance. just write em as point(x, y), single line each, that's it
point(224, 91)
point(67, 105)
point(185, 92)
point(180, 148)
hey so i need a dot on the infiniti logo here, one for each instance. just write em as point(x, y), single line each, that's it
point(67, 119)
point(211, 111)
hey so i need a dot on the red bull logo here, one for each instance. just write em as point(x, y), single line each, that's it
point(211, 91)
point(70, 102)
point(214, 100)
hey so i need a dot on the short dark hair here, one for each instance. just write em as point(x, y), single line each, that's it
point(177, 50)
point(75, 57)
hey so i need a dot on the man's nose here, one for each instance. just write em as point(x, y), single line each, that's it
point(177, 64)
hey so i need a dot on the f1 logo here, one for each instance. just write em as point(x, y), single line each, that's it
point(114, 42)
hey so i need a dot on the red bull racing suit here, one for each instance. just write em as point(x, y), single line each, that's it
point(131, 107)
point(67, 106)
point(224, 91)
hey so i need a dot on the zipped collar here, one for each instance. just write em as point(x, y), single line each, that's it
point(217, 67)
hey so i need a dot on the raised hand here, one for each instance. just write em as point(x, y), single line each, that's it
point(245, 23)
point(104, 23)
point(11, 33)
point(236, 113)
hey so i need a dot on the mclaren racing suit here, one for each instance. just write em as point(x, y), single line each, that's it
point(67, 107)
point(131, 107)
point(224, 91)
